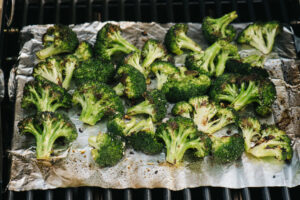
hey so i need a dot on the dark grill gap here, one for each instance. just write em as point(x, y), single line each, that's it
point(67, 12)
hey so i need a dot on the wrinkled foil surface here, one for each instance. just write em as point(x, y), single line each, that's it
point(75, 167)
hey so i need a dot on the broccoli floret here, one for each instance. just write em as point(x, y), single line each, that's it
point(134, 59)
point(162, 71)
point(94, 70)
point(152, 51)
point(241, 90)
point(209, 117)
point(227, 148)
point(84, 51)
point(70, 64)
point(45, 96)
point(109, 42)
point(58, 39)
point(97, 100)
point(132, 82)
point(251, 131)
point(176, 40)
point(188, 84)
point(215, 29)
point(50, 69)
point(183, 109)
point(108, 150)
point(47, 127)
point(255, 60)
point(180, 134)
point(154, 105)
point(260, 35)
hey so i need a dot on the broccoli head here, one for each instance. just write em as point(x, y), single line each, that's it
point(180, 134)
point(255, 60)
point(152, 51)
point(94, 70)
point(134, 59)
point(154, 105)
point(84, 51)
point(215, 29)
point(227, 148)
point(58, 39)
point(47, 127)
point(183, 109)
point(108, 150)
point(251, 131)
point(260, 35)
point(109, 41)
point(132, 82)
point(97, 100)
point(241, 90)
point(176, 40)
point(209, 117)
point(70, 64)
point(163, 70)
point(45, 96)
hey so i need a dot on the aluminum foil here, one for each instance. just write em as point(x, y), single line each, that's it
point(73, 166)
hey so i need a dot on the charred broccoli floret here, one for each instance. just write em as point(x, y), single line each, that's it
point(241, 90)
point(176, 40)
point(183, 109)
point(109, 42)
point(251, 131)
point(108, 150)
point(97, 100)
point(94, 70)
point(255, 60)
point(132, 82)
point(47, 127)
point(58, 39)
point(260, 35)
point(227, 148)
point(45, 96)
point(180, 134)
point(154, 106)
point(70, 64)
point(134, 59)
point(163, 70)
point(84, 51)
point(219, 28)
point(152, 51)
point(209, 117)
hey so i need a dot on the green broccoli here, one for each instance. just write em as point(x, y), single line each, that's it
point(209, 117)
point(227, 148)
point(58, 39)
point(183, 109)
point(109, 42)
point(132, 82)
point(45, 96)
point(108, 150)
point(260, 35)
point(152, 51)
point(241, 90)
point(94, 70)
point(176, 40)
point(180, 134)
point(162, 71)
point(97, 100)
point(47, 127)
point(251, 131)
point(134, 59)
point(70, 64)
point(84, 51)
point(215, 29)
point(255, 60)
point(154, 105)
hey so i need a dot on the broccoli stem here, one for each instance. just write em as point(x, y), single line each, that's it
point(209, 57)
point(48, 51)
point(246, 96)
point(222, 58)
point(187, 43)
point(258, 42)
point(70, 67)
point(231, 90)
point(225, 20)
point(119, 89)
point(123, 43)
point(265, 150)
point(144, 107)
point(161, 79)
point(270, 38)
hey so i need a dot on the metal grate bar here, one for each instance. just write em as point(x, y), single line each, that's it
point(57, 13)
point(153, 10)
point(29, 195)
point(105, 11)
point(170, 10)
point(202, 9)
point(73, 15)
point(186, 10)
point(226, 194)
point(25, 8)
point(283, 11)
point(235, 7)
point(286, 193)
point(206, 193)
point(147, 194)
point(107, 194)
point(69, 194)
point(251, 10)
point(138, 10)
point(187, 194)
point(218, 8)
point(89, 10)
point(266, 194)
point(49, 195)
point(167, 194)
point(10, 195)
point(41, 12)
point(88, 193)
point(127, 194)
point(267, 9)
point(246, 194)
point(122, 9)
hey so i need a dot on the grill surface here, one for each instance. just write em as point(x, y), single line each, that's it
point(67, 12)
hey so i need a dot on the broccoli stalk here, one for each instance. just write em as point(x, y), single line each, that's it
point(47, 127)
point(162, 71)
point(133, 59)
point(251, 131)
point(151, 51)
point(70, 64)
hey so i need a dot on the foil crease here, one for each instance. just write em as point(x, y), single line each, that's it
point(75, 167)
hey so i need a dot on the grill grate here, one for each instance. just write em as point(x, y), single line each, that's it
point(67, 11)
